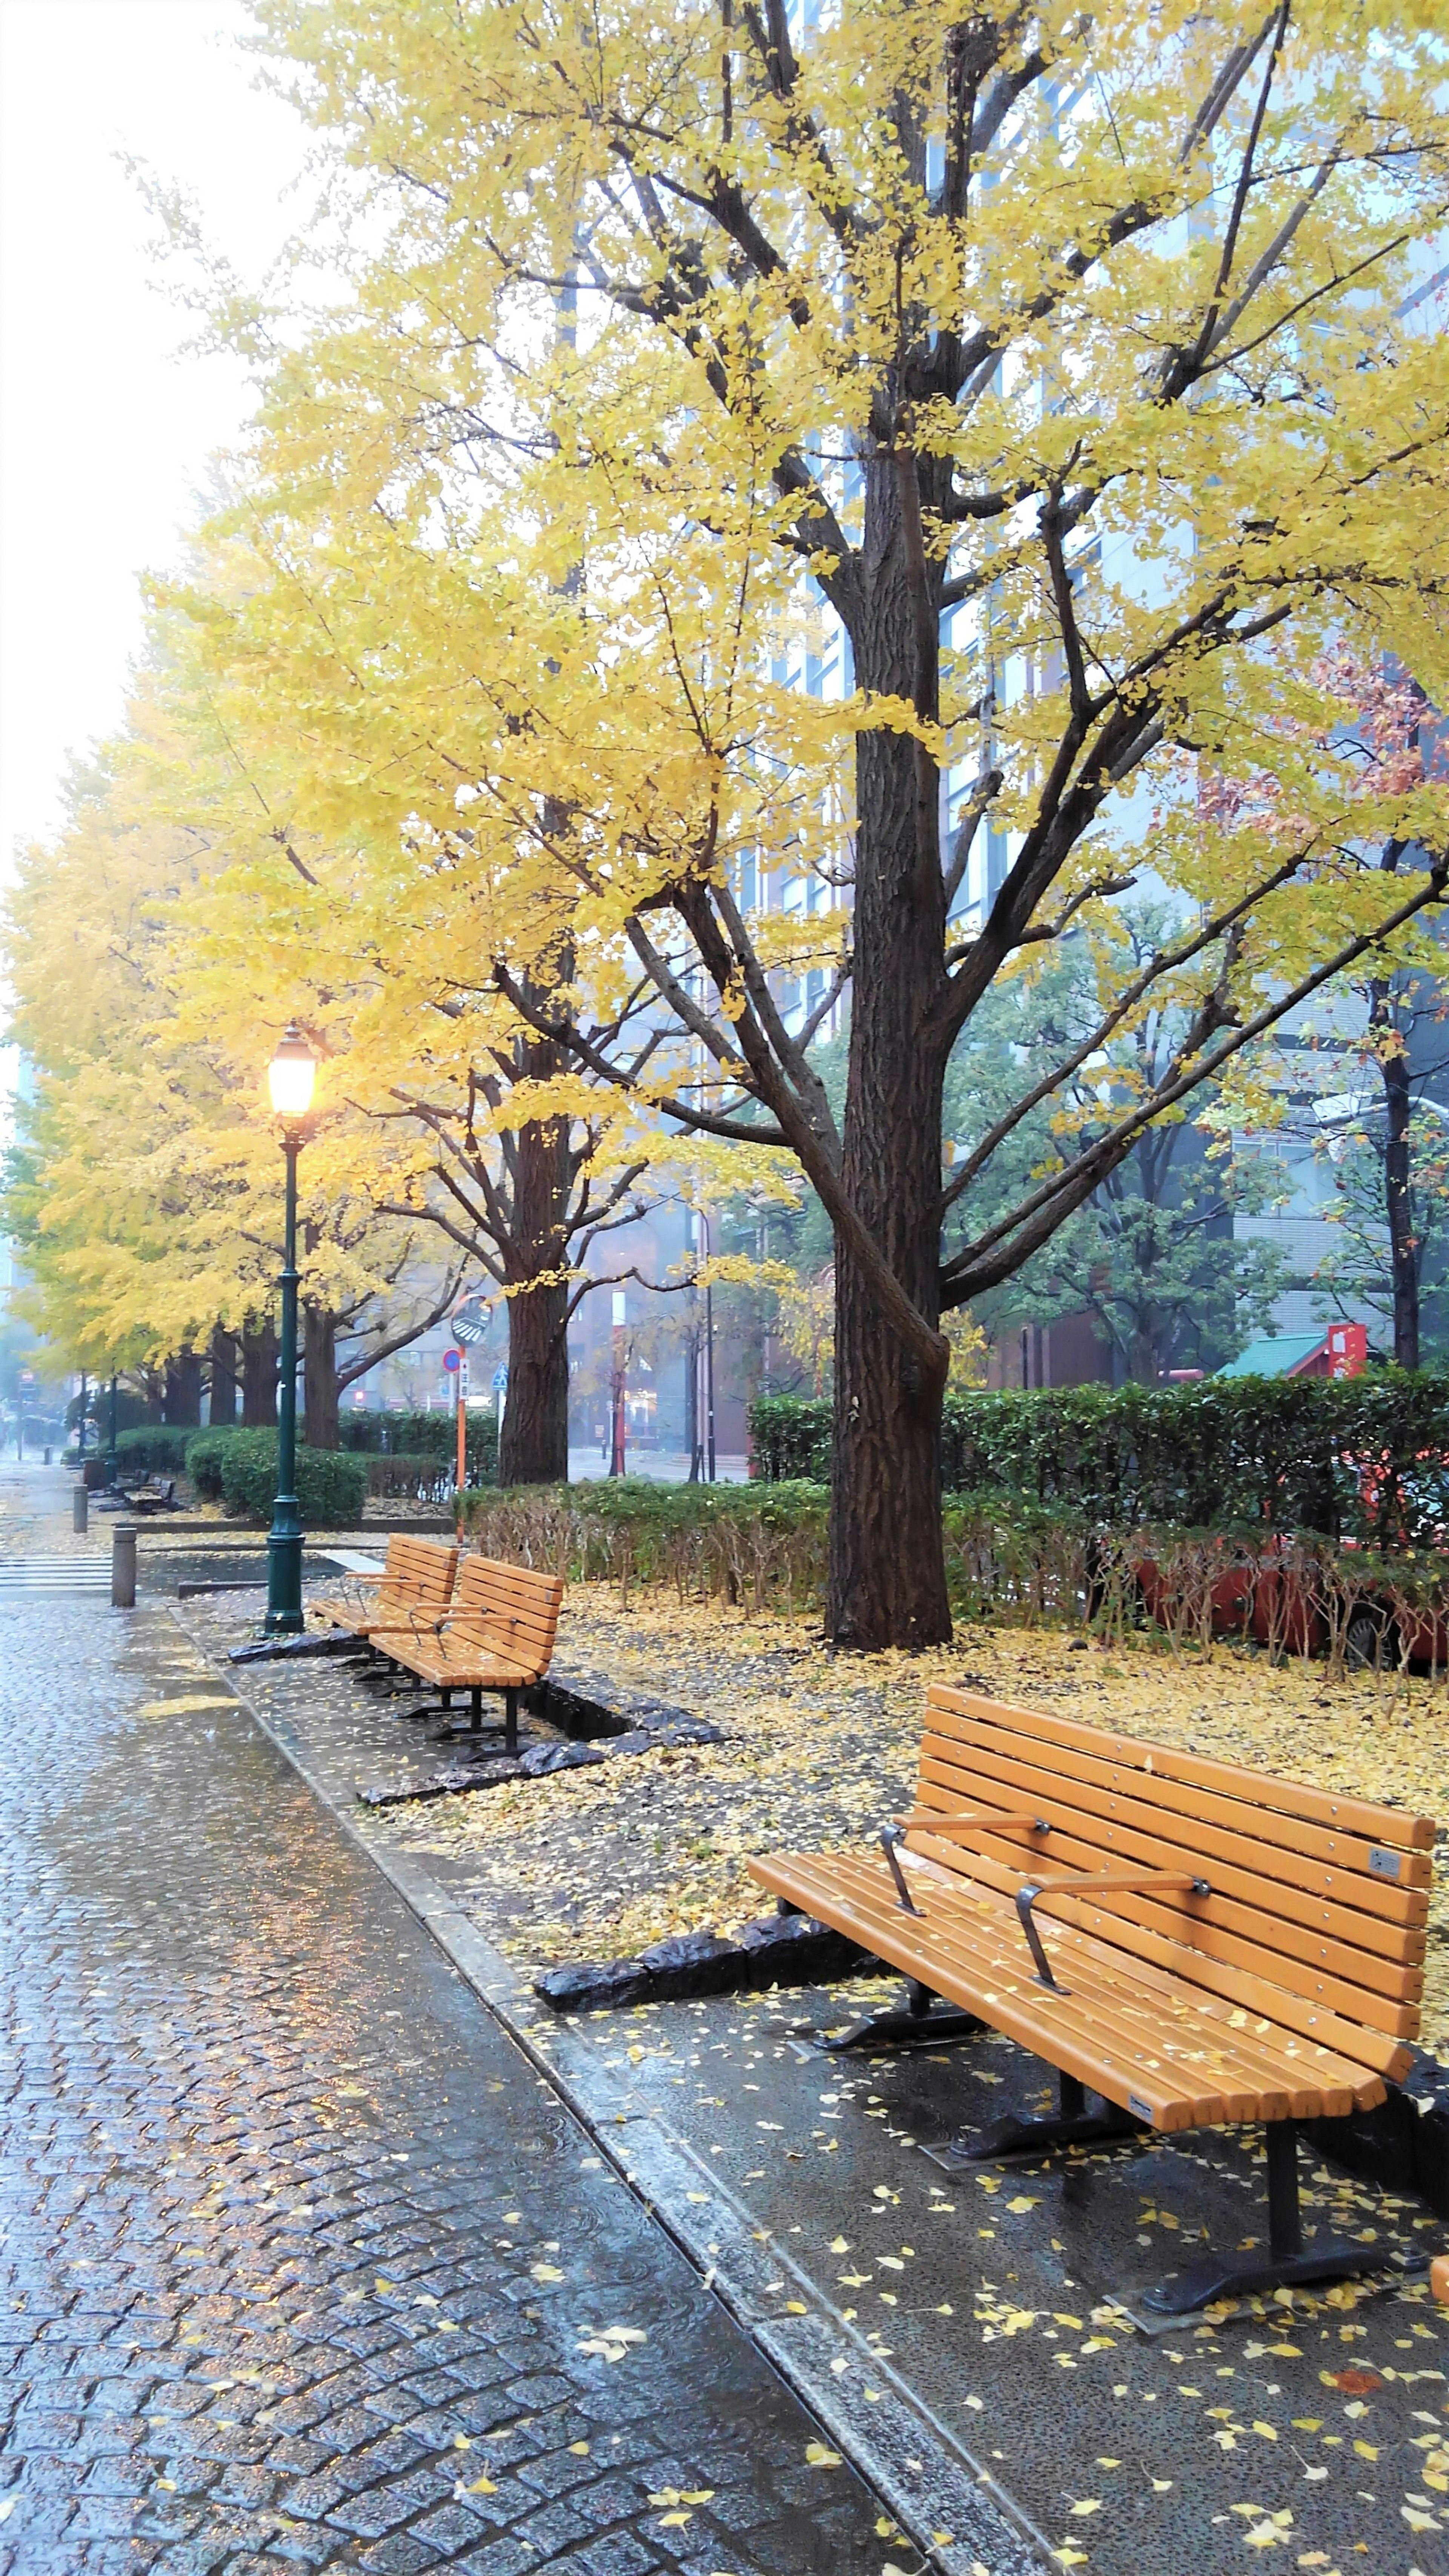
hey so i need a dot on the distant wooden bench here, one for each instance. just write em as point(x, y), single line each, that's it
point(1223, 1946)
point(157, 1494)
point(412, 1594)
point(498, 1636)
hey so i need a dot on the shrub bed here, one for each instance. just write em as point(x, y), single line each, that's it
point(1364, 1459)
point(765, 1548)
point(419, 1478)
point(239, 1468)
point(153, 1448)
point(424, 1435)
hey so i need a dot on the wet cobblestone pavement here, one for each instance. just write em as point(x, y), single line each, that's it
point(302, 2263)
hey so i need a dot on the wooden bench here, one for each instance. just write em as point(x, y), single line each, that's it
point(498, 1636)
point(1196, 1943)
point(412, 1594)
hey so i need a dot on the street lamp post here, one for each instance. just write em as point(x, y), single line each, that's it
point(290, 1077)
point(112, 1462)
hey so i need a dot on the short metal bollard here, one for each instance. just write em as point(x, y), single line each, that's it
point(80, 1508)
point(123, 1566)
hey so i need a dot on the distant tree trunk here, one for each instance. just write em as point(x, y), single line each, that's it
point(319, 1377)
point(181, 1400)
point(259, 1377)
point(1399, 1208)
point(1393, 1061)
point(225, 1362)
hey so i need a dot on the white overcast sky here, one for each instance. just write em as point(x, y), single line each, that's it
point(105, 431)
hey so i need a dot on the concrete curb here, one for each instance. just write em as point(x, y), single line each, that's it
point(923, 2474)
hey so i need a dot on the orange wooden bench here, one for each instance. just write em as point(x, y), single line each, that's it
point(1196, 1943)
point(412, 1594)
point(498, 1636)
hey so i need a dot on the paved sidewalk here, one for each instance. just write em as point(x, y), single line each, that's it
point(960, 2326)
point(302, 2263)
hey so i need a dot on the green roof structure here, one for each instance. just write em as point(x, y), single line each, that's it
point(1274, 1355)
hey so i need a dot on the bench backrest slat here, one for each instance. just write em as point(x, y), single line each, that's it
point(1313, 1896)
point(1302, 1853)
point(1136, 1825)
point(509, 1611)
point(417, 1574)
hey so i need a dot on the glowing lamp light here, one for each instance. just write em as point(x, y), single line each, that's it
point(291, 1075)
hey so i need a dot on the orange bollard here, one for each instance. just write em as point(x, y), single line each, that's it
point(1439, 2279)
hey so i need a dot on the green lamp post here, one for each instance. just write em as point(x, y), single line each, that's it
point(290, 1077)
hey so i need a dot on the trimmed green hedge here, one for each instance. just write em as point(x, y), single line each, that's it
point(425, 1435)
point(153, 1448)
point(1363, 1458)
point(239, 1468)
point(790, 1438)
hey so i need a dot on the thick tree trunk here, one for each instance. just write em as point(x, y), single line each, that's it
point(259, 1377)
point(1403, 1250)
point(225, 1363)
point(181, 1402)
point(887, 1555)
point(534, 1449)
point(319, 1377)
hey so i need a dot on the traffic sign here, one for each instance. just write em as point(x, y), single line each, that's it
point(500, 1380)
point(470, 1322)
point(452, 1360)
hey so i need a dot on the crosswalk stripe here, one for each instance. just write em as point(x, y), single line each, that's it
point(53, 1574)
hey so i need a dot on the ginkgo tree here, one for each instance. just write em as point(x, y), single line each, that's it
point(377, 691)
point(1082, 367)
point(146, 1187)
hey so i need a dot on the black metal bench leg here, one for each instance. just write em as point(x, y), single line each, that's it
point(1074, 2126)
point(920, 2025)
point(474, 1731)
point(1290, 2264)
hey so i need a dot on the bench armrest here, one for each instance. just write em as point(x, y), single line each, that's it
point(959, 1821)
point(1187, 1880)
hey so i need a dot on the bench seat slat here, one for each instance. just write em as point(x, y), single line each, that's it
point(464, 1672)
point(1290, 1799)
point(1283, 1846)
point(1265, 1914)
point(1133, 2039)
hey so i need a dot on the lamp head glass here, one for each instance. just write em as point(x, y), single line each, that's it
point(291, 1075)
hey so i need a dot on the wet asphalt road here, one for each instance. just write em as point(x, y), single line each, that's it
point(300, 2262)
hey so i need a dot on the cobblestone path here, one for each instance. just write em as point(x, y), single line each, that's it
point(300, 2263)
